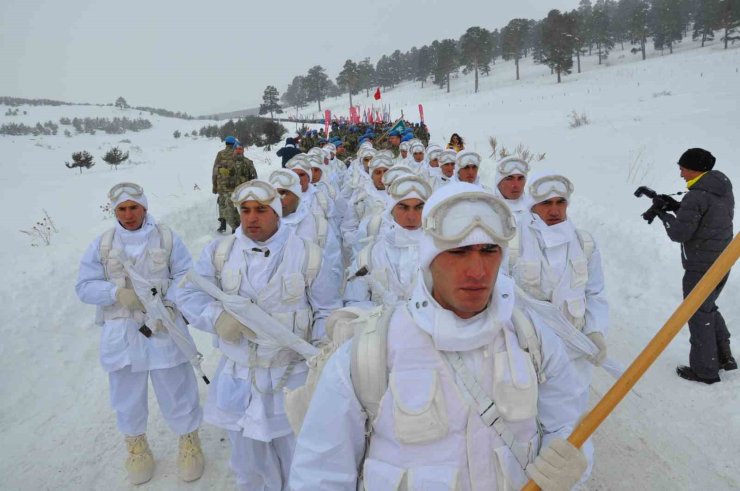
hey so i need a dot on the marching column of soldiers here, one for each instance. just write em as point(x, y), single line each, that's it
point(384, 319)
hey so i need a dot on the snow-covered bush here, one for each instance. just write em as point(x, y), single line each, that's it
point(575, 120)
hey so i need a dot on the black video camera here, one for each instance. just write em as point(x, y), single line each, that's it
point(661, 203)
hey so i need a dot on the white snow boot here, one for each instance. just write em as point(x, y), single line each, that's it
point(140, 462)
point(190, 461)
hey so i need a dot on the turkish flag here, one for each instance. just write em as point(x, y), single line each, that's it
point(377, 94)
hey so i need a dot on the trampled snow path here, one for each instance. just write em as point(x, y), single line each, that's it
point(57, 428)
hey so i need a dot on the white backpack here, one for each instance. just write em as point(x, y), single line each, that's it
point(106, 245)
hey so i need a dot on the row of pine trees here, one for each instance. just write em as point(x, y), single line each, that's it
point(558, 41)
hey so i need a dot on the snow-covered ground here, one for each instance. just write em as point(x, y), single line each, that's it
point(56, 425)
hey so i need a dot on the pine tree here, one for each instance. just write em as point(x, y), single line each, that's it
point(424, 65)
point(476, 50)
point(601, 33)
point(80, 160)
point(317, 84)
point(585, 10)
point(446, 61)
point(580, 35)
point(366, 73)
point(115, 156)
point(705, 16)
point(513, 38)
point(557, 42)
point(349, 79)
point(270, 102)
point(121, 103)
point(728, 20)
point(637, 12)
point(666, 24)
point(296, 94)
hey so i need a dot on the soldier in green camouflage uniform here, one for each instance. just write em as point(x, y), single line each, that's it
point(222, 177)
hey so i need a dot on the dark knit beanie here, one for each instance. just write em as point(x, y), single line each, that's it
point(697, 159)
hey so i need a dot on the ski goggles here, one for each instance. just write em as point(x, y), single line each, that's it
point(299, 162)
point(133, 190)
point(452, 220)
point(416, 148)
point(367, 153)
point(284, 179)
point(404, 147)
point(315, 161)
point(394, 173)
point(433, 154)
point(447, 157)
point(406, 187)
point(549, 186)
point(380, 161)
point(255, 190)
point(465, 159)
point(513, 165)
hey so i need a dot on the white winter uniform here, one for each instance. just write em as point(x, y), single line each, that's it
point(427, 433)
point(519, 207)
point(552, 267)
point(245, 395)
point(392, 265)
point(128, 356)
point(367, 202)
point(316, 229)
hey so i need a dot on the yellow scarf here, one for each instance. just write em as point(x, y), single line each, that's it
point(694, 180)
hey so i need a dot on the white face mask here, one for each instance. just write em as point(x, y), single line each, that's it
point(451, 333)
point(555, 235)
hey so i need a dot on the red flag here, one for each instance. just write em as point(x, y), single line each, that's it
point(327, 120)
point(377, 94)
point(421, 112)
point(370, 118)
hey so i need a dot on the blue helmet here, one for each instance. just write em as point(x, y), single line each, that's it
point(394, 133)
point(230, 140)
point(407, 137)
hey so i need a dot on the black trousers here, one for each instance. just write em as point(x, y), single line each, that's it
point(707, 328)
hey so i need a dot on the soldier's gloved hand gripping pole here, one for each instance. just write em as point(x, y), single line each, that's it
point(156, 311)
point(654, 348)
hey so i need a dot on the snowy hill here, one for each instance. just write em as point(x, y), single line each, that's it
point(58, 429)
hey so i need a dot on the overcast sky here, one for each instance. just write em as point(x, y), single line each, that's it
point(203, 57)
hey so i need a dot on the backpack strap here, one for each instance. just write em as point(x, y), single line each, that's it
point(364, 263)
point(312, 265)
point(373, 226)
point(104, 248)
point(587, 242)
point(166, 240)
point(514, 250)
point(528, 340)
point(322, 229)
point(369, 362)
point(323, 201)
point(221, 254)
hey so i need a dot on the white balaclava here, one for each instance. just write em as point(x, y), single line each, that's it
point(255, 188)
point(520, 204)
point(449, 332)
point(130, 193)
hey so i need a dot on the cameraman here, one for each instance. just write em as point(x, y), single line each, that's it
point(703, 226)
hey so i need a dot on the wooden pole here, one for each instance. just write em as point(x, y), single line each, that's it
point(655, 347)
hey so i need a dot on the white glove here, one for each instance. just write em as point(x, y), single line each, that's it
point(127, 297)
point(558, 467)
point(230, 329)
point(598, 339)
point(159, 325)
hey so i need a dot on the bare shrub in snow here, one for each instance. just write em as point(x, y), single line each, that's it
point(575, 120)
point(42, 231)
point(521, 151)
point(108, 211)
point(664, 93)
